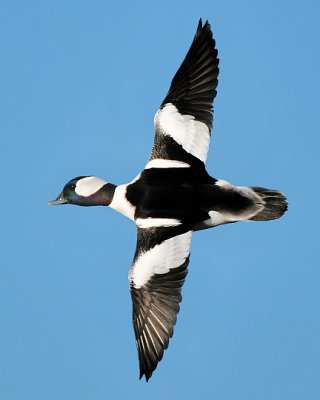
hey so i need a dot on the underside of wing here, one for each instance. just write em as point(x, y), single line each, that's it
point(156, 278)
point(183, 122)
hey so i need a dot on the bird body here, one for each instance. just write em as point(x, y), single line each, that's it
point(173, 197)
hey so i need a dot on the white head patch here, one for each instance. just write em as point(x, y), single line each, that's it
point(89, 185)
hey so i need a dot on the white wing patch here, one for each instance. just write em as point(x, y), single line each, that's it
point(145, 223)
point(161, 163)
point(192, 135)
point(89, 185)
point(171, 253)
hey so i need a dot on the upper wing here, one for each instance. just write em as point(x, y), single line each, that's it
point(156, 277)
point(183, 122)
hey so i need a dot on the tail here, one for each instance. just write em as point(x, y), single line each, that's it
point(274, 204)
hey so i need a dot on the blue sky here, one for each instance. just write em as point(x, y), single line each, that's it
point(80, 83)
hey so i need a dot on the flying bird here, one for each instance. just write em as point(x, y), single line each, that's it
point(173, 197)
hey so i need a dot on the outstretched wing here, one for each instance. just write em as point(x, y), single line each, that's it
point(183, 122)
point(156, 278)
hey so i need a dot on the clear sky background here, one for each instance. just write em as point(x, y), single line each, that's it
point(80, 82)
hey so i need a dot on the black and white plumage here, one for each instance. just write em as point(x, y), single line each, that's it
point(156, 278)
point(172, 197)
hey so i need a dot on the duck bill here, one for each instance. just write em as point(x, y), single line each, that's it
point(59, 200)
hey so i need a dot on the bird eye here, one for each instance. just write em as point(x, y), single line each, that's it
point(71, 186)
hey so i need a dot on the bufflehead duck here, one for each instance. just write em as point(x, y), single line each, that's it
point(172, 197)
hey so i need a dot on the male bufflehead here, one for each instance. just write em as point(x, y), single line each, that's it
point(172, 197)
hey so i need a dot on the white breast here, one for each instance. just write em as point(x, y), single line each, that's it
point(121, 204)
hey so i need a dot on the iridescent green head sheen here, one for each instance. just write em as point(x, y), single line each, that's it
point(86, 191)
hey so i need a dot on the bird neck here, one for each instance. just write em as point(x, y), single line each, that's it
point(103, 197)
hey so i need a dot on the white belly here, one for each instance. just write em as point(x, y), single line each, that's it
point(216, 218)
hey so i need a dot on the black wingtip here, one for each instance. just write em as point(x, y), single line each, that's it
point(199, 29)
point(145, 374)
point(202, 27)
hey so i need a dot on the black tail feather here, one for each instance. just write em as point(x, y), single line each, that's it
point(275, 204)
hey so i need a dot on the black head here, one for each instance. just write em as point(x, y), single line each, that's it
point(82, 191)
